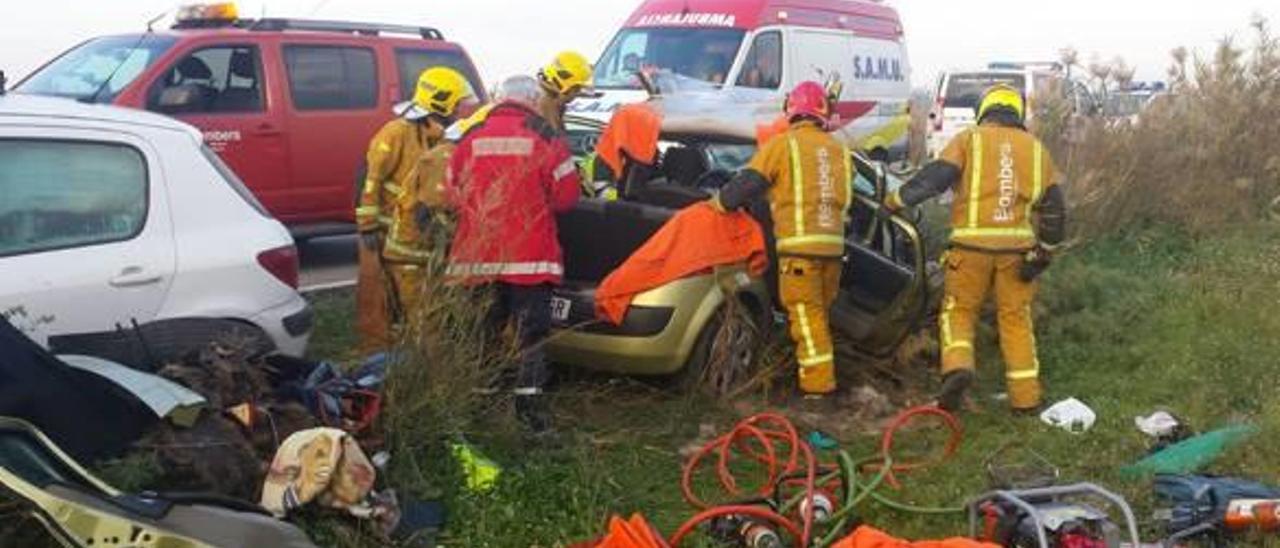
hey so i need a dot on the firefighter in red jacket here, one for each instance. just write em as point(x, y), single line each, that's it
point(509, 176)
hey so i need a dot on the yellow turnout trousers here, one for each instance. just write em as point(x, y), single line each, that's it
point(373, 314)
point(969, 276)
point(409, 284)
point(808, 287)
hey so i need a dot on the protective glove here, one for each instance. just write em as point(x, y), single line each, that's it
point(371, 240)
point(893, 203)
point(422, 216)
point(1034, 263)
point(884, 213)
point(715, 204)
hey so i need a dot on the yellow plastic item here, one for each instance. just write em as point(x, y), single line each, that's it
point(482, 474)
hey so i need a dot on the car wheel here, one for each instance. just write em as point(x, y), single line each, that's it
point(726, 353)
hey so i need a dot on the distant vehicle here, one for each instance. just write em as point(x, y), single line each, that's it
point(114, 219)
point(1125, 106)
point(289, 104)
point(888, 287)
point(754, 51)
point(957, 94)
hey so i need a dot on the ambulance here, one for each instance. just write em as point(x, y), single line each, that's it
point(745, 55)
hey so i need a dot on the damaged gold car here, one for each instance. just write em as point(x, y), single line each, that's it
point(888, 284)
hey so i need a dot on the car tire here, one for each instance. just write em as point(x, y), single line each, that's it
point(152, 345)
point(725, 353)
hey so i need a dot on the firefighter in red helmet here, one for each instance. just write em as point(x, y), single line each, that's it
point(806, 174)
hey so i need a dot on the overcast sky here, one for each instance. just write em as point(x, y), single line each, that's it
point(510, 36)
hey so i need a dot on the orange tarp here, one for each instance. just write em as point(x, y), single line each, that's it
point(695, 239)
point(867, 537)
point(632, 533)
point(634, 130)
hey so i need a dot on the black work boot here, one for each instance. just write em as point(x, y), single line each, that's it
point(955, 386)
point(534, 413)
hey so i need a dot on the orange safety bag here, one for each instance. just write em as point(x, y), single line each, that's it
point(868, 537)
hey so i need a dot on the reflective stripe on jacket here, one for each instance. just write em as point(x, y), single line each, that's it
point(508, 177)
point(394, 186)
point(809, 178)
point(1004, 172)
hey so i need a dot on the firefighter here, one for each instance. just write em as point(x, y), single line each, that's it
point(806, 174)
point(566, 78)
point(508, 177)
point(1004, 181)
point(396, 201)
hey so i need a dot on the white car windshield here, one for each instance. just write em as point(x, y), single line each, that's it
point(96, 71)
point(702, 54)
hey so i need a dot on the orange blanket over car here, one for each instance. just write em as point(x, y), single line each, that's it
point(868, 537)
point(695, 239)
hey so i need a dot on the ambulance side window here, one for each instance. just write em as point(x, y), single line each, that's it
point(763, 66)
point(216, 79)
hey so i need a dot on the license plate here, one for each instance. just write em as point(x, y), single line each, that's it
point(560, 309)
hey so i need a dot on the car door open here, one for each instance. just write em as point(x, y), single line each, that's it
point(885, 289)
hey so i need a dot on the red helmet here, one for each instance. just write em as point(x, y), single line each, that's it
point(808, 99)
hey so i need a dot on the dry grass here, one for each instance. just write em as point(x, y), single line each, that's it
point(1201, 156)
point(433, 391)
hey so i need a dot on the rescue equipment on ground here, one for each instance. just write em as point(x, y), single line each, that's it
point(868, 537)
point(1192, 454)
point(1051, 517)
point(802, 500)
point(1216, 508)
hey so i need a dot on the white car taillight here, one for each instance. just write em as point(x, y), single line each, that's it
point(281, 262)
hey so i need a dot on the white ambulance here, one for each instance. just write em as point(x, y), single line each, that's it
point(745, 54)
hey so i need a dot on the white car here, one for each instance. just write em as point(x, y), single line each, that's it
point(123, 236)
point(957, 94)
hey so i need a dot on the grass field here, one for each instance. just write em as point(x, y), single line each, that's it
point(1153, 319)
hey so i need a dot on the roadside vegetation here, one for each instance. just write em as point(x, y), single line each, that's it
point(1166, 299)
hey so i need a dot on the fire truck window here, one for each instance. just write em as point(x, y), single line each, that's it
point(763, 68)
point(411, 63)
point(331, 78)
point(211, 80)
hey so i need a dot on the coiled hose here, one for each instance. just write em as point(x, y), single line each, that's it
point(771, 441)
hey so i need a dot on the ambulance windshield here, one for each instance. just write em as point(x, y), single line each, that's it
point(702, 54)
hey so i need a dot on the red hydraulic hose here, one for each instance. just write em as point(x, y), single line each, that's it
point(760, 438)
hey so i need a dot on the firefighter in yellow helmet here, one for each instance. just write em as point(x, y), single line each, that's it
point(407, 160)
point(566, 78)
point(1007, 218)
point(806, 174)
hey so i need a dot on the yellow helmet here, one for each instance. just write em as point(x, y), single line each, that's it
point(568, 74)
point(1002, 96)
point(438, 92)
